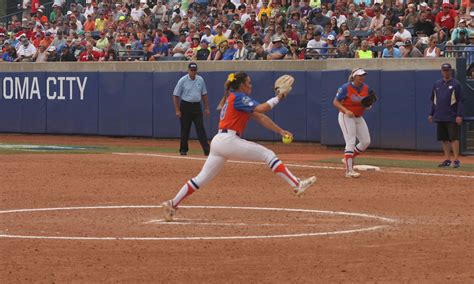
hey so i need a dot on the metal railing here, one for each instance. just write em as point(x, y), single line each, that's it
point(467, 136)
point(320, 53)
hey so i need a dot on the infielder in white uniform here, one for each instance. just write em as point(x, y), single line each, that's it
point(348, 102)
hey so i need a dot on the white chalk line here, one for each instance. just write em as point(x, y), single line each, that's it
point(362, 215)
point(296, 165)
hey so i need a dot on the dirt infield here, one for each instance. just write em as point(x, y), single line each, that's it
point(104, 224)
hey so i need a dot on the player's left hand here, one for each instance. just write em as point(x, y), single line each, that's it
point(207, 112)
point(458, 120)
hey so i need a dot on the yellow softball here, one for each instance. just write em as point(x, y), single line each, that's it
point(287, 139)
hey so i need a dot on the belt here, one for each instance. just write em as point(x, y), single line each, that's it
point(185, 102)
point(229, 131)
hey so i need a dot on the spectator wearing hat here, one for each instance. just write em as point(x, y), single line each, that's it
point(103, 41)
point(402, 34)
point(278, 51)
point(318, 19)
point(410, 51)
point(229, 52)
point(329, 48)
point(187, 96)
point(447, 111)
point(89, 9)
point(344, 35)
point(181, 47)
point(355, 45)
point(66, 55)
point(89, 24)
point(390, 51)
point(328, 31)
point(242, 52)
point(202, 51)
point(176, 26)
point(456, 33)
point(214, 53)
point(51, 54)
point(41, 17)
point(207, 35)
point(47, 40)
point(446, 20)
point(25, 50)
point(35, 5)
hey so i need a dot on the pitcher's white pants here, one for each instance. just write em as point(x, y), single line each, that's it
point(353, 129)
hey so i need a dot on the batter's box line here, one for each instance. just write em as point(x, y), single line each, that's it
point(294, 165)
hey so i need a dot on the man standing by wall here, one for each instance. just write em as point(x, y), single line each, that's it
point(187, 96)
point(447, 112)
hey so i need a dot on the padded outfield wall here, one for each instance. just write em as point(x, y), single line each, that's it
point(135, 99)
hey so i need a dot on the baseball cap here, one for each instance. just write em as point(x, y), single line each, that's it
point(317, 33)
point(359, 72)
point(207, 27)
point(192, 66)
point(213, 45)
point(446, 66)
point(317, 10)
point(423, 4)
point(346, 33)
point(276, 39)
point(331, 37)
point(446, 5)
point(407, 42)
point(51, 48)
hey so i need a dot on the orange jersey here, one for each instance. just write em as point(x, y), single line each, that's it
point(236, 112)
point(350, 97)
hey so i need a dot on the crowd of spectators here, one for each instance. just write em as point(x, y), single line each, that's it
point(136, 30)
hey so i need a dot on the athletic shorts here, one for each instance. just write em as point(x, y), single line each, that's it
point(448, 131)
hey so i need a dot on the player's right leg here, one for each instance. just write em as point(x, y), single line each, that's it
point(349, 131)
point(250, 151)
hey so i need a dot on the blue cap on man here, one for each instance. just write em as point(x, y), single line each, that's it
point(446, 66)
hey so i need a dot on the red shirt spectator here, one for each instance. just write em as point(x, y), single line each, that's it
point(446, 18)
point(89, 54)
point(35, 4)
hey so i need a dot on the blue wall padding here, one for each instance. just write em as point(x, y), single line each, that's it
point(330, 131)
point(425, 132)
point(313, 106)
point(372, 116)
point(215, 89)
point(398, 127)
point(72, 115)
point(165, 122)
point(126, 108)
point(27, 115)
point(291, 113)
point(262, 90)
point(141, 104)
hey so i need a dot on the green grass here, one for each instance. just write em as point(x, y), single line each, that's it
point(411, 164)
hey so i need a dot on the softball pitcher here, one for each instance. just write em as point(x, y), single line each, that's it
point(348, 100)
point(236, 109)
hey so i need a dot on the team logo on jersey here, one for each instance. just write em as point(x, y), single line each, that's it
point(247, 101)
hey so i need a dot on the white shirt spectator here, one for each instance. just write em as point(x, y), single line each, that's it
point(403, 36)
point(183, 45)
point(315, 44)
point(136, 14)
point(28, 50)
point(341, 19)
point(209, 38)
point(89, 10)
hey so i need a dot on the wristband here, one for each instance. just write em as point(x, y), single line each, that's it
point(273, 102)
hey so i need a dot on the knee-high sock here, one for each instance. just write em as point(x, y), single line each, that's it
point(348, 157)
point(357, 151)
point(281, 170)
point(185, 191)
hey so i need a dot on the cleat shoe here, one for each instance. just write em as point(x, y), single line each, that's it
point(304, 185)
point(168, 210)
point(352, 174)
point(445, 164)
point(183, 153)
point(457, 164)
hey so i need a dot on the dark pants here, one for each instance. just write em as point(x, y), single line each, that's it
point(192, 112)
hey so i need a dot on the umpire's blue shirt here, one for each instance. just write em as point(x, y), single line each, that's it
point(446, 101)
point(190, 90)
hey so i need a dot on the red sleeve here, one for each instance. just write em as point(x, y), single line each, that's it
point(453, 13)
point(438, 18)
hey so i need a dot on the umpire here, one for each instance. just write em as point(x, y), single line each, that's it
point(447, 111)
point(187, 96)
